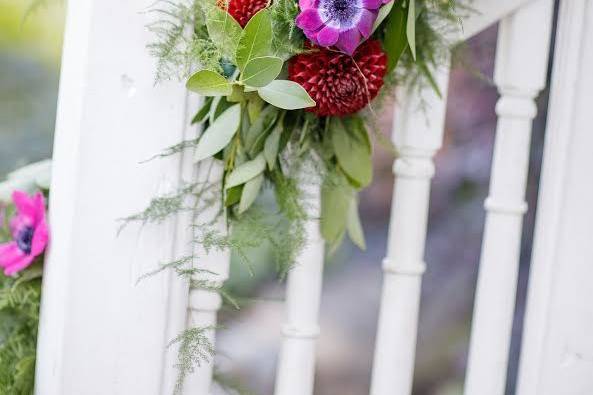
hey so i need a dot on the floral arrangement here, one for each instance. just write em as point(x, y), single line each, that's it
point(290, 91)
point(24, 237)
point(289, 80)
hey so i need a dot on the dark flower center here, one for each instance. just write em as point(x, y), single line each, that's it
point(24, 239)
point(345, 12)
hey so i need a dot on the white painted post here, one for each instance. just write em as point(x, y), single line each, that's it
point(557, 343)
point(521, 65)
point(100, 333)
point(418, 135)
point(204, 304)
point(296, 366)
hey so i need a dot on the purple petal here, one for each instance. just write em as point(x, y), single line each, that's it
point(10, 254)
point(40, 238)
point(306, 4)
point(367, 20)
point(373, 4)
point(19, 265)
point(349, 41)
point(24, 204)
point(39, 206)
point(312, 36)
point(309, 19)
point(328, 36)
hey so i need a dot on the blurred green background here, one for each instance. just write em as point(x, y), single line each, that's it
point(30, 50)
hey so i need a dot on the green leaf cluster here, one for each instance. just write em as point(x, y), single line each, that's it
point(251, 50)
point(19, 318)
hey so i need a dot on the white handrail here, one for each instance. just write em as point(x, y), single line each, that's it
point(418, 135)
point(521, 65)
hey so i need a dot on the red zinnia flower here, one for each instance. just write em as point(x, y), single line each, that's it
point(340, 84)
point(242, 10)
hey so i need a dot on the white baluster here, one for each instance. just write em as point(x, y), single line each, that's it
point(418, 134)
point(521, 65)
point(296, 366)
point(204, 304)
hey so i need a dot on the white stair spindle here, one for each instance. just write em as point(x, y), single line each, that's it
point(296, 366)
point(521, 66)
point(418, 134)
point(204, 304)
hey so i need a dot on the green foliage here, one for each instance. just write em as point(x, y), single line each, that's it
point(19, 319)
point(223, 30)
point(162, 207)
point(353, 151)
point(287, 95)
point(260, 72)
point(195, 348)
point(209, 83)
point(175, 47)
point(256, 39)
point(288, 39)
point(219, 134)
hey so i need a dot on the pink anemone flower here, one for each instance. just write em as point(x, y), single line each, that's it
point(341, 23)
point(29, 232)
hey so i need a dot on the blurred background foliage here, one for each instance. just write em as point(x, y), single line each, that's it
point(30, 49)
point(30, 46)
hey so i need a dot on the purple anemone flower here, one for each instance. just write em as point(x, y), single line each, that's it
point(29, 232)
point(341, 23)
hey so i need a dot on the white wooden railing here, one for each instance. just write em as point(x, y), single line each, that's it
point(100, 334)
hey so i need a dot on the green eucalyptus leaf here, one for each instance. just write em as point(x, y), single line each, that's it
point(219, 134)
point(256, 39)
point(237, 95)
point(259, 72)
point(203, 112)
point(254, 107)
point(209, 83)
point(233, 195)
point(287, 95)
point(395, 42)
point(272, 146)
point(411, 27)
point(250, 192)
point(352, 147)
point(246, 172)
point(354, 227)
point(383, 13)
point(335, 202)
point(224, 31)
point(255, 136)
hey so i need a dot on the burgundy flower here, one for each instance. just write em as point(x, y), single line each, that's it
point(340, 84)
point(242, 10)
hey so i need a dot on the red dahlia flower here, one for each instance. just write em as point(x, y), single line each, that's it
point(242, 10)
point(340, 84)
